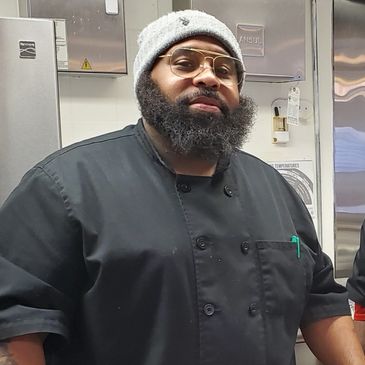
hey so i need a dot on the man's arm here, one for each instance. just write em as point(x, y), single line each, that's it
point(360, 331)
point(334, 342)
point(22, 350)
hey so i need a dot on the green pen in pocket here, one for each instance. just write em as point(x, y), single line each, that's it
point(295, 239)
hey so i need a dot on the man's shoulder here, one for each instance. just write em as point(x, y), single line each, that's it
point(253, 163)
point(262, 174)
point(95, 148)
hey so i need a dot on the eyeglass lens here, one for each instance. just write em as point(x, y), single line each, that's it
point(188, 63)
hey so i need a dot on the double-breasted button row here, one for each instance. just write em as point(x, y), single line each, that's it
point(228, 191)
point(208, 309)
point(253, 309)
point(202, 242)
point(245, 247)
point(183, 187)
point(186, 188)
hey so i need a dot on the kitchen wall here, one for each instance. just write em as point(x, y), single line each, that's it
point(8, 8)
point(91, 106)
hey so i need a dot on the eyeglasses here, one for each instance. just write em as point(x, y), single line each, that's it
point(190, 62)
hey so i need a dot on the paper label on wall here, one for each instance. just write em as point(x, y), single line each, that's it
point(61, 44)
point(293, 106)
point(299, 174)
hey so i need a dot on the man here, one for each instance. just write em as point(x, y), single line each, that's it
point(163, 244)
point(356, 288)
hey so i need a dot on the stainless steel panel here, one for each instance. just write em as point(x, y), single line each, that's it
point(271, 34)
point(29, 111)
point(93, 36)
point(349, 129)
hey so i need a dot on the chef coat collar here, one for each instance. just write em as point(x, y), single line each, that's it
point(144, 139)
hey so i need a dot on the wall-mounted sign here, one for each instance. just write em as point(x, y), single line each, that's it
point(299, 174)
point(251, 39)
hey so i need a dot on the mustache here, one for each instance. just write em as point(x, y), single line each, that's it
point(206, 92)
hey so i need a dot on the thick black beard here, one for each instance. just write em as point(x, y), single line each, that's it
point(193, 133)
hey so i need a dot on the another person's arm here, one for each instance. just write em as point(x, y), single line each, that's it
point(334, 342)
point(22, 350)
point(360, 331)
point(359, 323)
point(356, 288)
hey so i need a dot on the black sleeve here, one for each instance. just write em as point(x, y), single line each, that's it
point(356, 283)
point(41, 265)
point(326, 298)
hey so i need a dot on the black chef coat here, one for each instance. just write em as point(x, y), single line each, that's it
point(103, 245)
point(356, 283)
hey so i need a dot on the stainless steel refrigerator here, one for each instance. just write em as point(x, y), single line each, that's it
point(348, 128)
point(29, 104)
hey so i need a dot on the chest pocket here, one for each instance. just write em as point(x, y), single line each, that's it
point(286, 277)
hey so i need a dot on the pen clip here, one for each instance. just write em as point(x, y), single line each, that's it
point(295, 239)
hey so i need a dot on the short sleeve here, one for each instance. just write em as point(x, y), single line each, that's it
point(356, 282)
point(326, 298)
point(41, 265)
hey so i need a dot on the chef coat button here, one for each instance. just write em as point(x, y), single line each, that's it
point(209, 309)
point(252, 309)
point(184, 188)
point(228, 191)
point(245, 247)
point(202, 242)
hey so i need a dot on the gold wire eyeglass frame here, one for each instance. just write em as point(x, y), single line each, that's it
point(240, 71)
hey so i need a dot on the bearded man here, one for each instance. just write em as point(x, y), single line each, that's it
point(163, 243)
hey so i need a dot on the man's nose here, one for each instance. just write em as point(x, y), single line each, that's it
point(206, 76)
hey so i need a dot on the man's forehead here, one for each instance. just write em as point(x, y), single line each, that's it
point(201, 42)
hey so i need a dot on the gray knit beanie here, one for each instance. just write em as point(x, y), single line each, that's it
point(164, 32)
